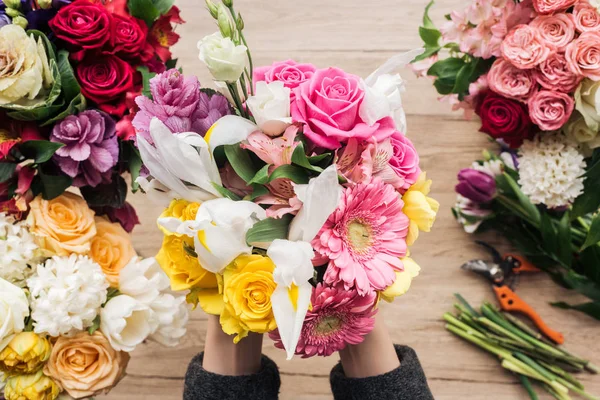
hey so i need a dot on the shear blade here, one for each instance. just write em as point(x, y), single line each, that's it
point(480, 267)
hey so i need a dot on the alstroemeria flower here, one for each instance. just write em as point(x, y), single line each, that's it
point(275, 151)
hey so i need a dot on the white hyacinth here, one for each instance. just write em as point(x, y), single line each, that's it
point(66, 295)
point(170, 316)
point(17, 250)
point(550, 170)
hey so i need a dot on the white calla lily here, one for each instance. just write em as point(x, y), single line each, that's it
point(230, 129)
point(219, 230)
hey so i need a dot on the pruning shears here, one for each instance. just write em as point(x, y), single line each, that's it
point(502, 271)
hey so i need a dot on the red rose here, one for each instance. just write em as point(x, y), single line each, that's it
point(128, 37)
point(505, 119)
point(83, 25)
point(105, 80)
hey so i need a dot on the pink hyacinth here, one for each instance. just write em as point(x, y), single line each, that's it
point(364, 238)
point(338, 317)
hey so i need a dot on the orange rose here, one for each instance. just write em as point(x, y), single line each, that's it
point(63, 225)
point(112, 249)
point(86, 365)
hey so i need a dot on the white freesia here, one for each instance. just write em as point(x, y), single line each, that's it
point(24, 69)
point(125, 322)
point(587, 102)
point(225, 60)
point(66, 295)
point(14, 308)
point(270, 107)
point(17, 250)
point(170, 317)
point(219, 230)
point(143, 280)
point(383, 91)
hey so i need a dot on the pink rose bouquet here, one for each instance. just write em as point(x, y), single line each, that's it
point(293, 213)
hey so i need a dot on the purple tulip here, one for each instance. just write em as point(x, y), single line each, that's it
point(476, 186)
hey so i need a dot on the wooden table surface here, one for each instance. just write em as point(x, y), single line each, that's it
point(358, 36)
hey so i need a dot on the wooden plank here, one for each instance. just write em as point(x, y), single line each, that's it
point(358, 36)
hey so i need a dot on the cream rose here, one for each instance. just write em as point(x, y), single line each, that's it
point(111, 248)
point(24, 67)
point(224, 59)
point(86, 365)
point(587, 102)
point(14, 308)
point(578, 130)
point(64, 225)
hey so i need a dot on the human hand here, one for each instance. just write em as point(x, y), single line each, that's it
point(223, 357)
point(375, 356)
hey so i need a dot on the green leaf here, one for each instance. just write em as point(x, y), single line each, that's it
point(145, 10)
point(111, 194)
point(431, 37)
point(77, 105)
point(261, 177)
point(593, 236)
point(511, 186)
point(257, 191)
point(146, 76)
point(226, 192)
point(172, 63)
point(39, 151)
point(267, 230)
point(299, 158)
point(163, 6)
point(592, 308)
point(7, 171)
point(589, 201)
point(130, 155)
point(447, 68)
point(95, 325)
point(582, 284)
point(240, 162)
point(427, 22)
point(51, 186)
point(292, 172)
point(70, 86)
point(315, 160)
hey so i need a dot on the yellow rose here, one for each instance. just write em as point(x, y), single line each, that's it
point(403, 280)
point(420, 209)
point(247, 288)
point(86, 365)
point(25, 354)
point(63, 225)
point(111, 248)
point(181, 209)
point(31, 387)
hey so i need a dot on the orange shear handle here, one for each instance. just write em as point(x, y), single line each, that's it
point(525, 265)
point(509, 301)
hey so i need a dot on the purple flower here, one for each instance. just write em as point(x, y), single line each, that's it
point(178, 102)
point(90, 148)
point(476, 186)
point(126, 215)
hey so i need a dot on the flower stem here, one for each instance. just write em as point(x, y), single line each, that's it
point(529, 387)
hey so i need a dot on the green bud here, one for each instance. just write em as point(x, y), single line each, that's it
point(487, 155)
point(11, 12)
point(224, 22)
point(228, 3)
point(212, 8)
point(239, 22)
point(44, 4)
point(14, 4)
point(20, 21)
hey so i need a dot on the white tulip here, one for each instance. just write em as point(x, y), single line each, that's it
point(171, 315)
point(219, 230)
point(143, 280)
point(225, 60)
point(270, 107)
point(126, 322)
point(14, 308)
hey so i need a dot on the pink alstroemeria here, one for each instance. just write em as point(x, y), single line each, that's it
point(275, 151)
point(281, 198)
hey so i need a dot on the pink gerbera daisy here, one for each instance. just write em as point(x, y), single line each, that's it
point(365, 238)
point(338, 317)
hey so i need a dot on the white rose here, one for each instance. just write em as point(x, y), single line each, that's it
point(143, 280)
point(24, 69)
point(125, 322)
point(170, 317)
point(14, 308)
point(578, 130)
point(587, 102)
point(224, 59)
point(270, 107)
point(383, 99)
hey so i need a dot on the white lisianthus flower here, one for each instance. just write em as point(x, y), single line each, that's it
point(66, 295)
point(550, 170)
point(143, 280)
point(270, 107)
point(14, 308)
point(587, 102)
point(126, 322)
point(17, 251)
point(170, 318)
point(225, 60)
point(24, 69)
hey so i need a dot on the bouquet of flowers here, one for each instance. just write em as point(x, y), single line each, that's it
point(291, 201)
point(530, 71)
point(75, 298)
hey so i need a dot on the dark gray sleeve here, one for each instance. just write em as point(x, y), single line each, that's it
point(203, 385)
point(407, 382)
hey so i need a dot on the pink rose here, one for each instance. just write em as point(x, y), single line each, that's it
point(289, 72)
point(586, 17)
point(328, 106)
point(404, 161)
point(550, 110)
point(510, 81)
point(555, 74)
point(583, 55)
point(557, 30)
point(524, 47)
point(552, 6)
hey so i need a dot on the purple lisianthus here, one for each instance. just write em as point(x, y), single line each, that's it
point(90, 148)
point(178, 102)
point(476, 186)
